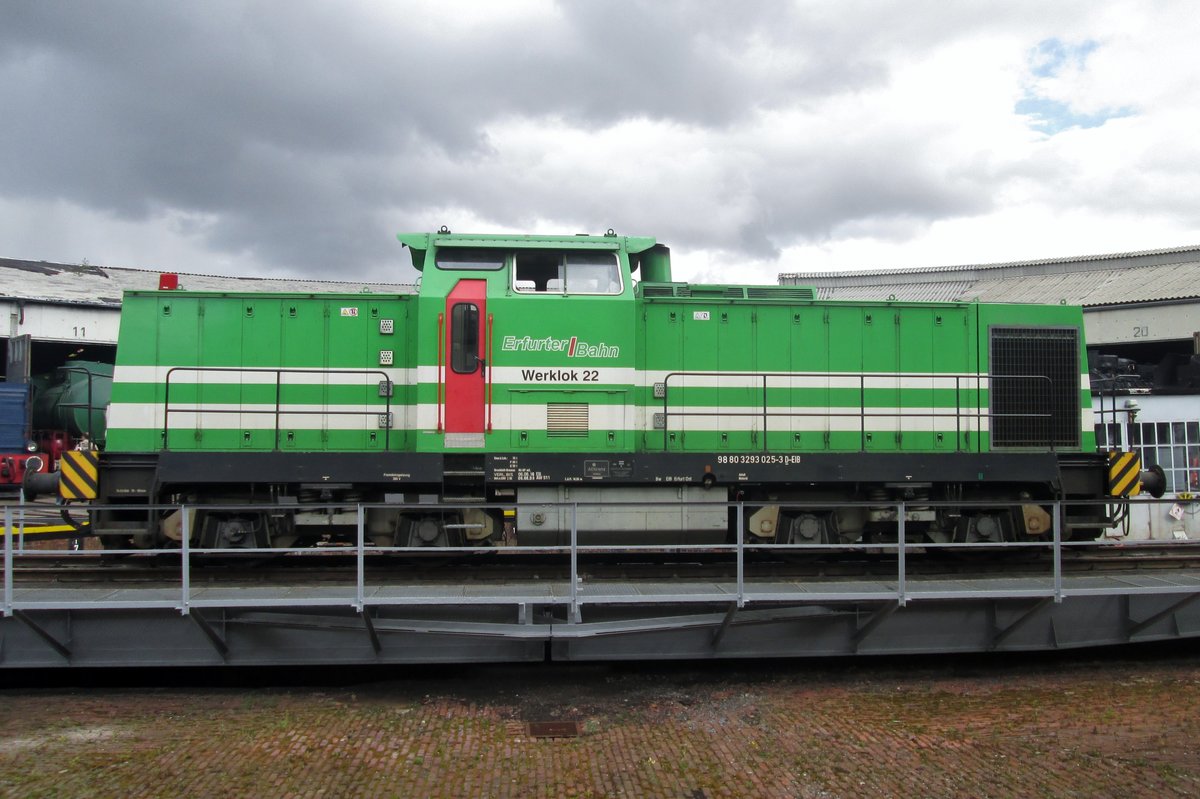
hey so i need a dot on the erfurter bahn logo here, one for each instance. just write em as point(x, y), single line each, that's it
point(573, 347)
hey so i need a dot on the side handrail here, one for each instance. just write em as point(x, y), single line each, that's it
point(766, 412)
point(91, 407)
point(441, 339)
point(278, 411)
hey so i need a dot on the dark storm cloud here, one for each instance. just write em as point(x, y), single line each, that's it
point(288, 128)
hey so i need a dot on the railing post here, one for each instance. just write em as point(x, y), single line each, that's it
point(901, 587)
point(765, 448)
point(958, 439)
point(278, 397)
point(91, 438)
point(166, 428)
point(1058, 585)
point(20, 521)
point(666, 413)
point(574, 562)
point(360, 571)
point(185, 537)
point(8, 565)
point(387, 408)
point(862, 413)
point(741, 555)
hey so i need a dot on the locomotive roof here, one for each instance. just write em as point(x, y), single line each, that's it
point(418, 243)
point(87, 284)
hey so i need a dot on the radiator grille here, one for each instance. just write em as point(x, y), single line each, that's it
point(1035, 387)
point(564, 419)
point(781, 293)
point(729, 292)
point(659, 289)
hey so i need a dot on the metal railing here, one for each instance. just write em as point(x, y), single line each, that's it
point(766, 412)
point(279, 410)
point(92, 408)
point(579, 587)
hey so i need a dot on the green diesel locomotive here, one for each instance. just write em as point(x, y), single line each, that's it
point(529, 371)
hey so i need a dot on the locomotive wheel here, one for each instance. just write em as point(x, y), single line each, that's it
point(430, 530)
point(809, 528)
point(995, 527)
point(233, 531)
point(116, 541)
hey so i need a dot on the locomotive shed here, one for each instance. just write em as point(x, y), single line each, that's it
point(580, 612)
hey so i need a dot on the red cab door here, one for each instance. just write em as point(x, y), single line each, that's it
point(466, 309)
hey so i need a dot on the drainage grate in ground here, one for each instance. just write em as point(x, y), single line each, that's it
point(554, 729)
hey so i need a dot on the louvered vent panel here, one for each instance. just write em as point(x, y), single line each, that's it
point(565, 419)
point(781, 293)
point(724, 292)
point(1027, 410)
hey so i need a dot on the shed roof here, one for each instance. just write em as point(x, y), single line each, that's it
point(72, 284)
point(1091, 280)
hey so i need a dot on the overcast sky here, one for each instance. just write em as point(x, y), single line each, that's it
point(297, 138)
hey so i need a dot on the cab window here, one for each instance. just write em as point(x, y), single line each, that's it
point(538, 272)
point(471, 259)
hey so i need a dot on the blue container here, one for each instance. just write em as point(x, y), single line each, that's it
point(14, 416)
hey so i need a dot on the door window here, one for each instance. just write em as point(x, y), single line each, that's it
point(464, 338)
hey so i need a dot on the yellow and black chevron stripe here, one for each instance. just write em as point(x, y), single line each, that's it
point(78, 474)
point(1124, 473)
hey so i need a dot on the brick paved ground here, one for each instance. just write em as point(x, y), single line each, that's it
point(962, 728)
